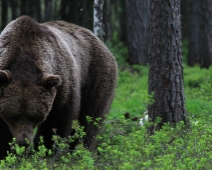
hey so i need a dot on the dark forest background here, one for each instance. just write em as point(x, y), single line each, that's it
point(79, 12)
point(125, 21)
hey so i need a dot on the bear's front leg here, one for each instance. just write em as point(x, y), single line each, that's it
point(46, 131)
point(60, 125)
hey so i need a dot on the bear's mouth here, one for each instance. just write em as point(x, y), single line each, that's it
point(24, 139)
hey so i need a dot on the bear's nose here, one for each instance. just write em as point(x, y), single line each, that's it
point(22, 143)
point(22, 139)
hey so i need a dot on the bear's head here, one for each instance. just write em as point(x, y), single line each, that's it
point(28, 84)
point(26, 104)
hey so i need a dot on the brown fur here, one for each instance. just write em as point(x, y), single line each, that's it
point(51, 74)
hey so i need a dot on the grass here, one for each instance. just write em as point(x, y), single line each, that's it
point(123, 144)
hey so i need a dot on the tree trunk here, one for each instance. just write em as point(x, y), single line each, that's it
point(34, 9)
point(82, 13)
point(48, 10)
point(74, 11)
point(193, 41)
point(64, 10)
point(4, 14)
point(89, 15)
point(137, 21)
point(165, 59)
point(205, 42)
point(107, 21)
point(98, 18)
point(37, 10)
point(14, 5)
point(184, 18)
point(122, 17)
point(31, 8)
point(118, 10)
point(24, 7)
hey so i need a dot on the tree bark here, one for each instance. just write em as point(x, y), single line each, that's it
point(165, 59)
point(137, 21)
point(98, 18)
point(193, 39)
point(205, 42)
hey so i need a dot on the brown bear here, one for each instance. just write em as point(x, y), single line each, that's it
point(51, 74)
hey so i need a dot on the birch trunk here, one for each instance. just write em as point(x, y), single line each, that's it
point(98, 16)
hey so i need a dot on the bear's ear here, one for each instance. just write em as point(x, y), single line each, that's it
point(50, 80)
point(4, 77)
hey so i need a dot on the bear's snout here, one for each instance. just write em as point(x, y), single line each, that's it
point(23, 142)
point(24, 139)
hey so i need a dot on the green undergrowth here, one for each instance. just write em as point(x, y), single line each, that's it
point(198, 91)
point(125, 145)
